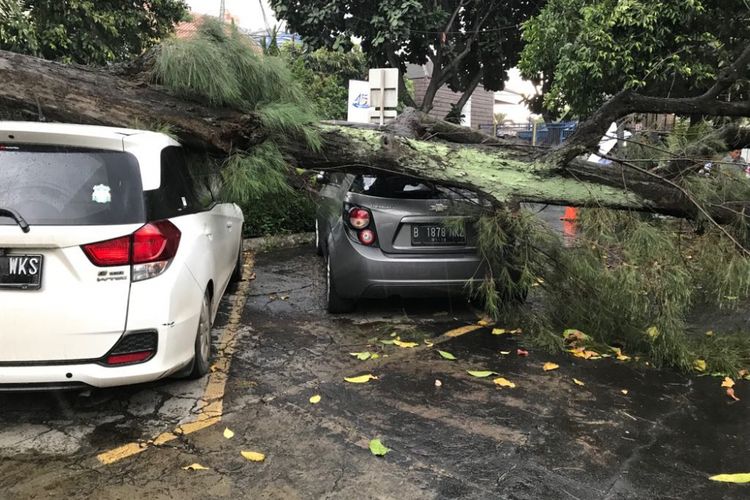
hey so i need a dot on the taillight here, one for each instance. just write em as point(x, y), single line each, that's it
point(155, 241)
point(359, 218)
point(366, 236)
point(114, 252)
point(149, 250)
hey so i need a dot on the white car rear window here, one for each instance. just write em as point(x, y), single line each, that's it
point(70, 186)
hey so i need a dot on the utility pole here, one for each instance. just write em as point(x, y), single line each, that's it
point(221, 11)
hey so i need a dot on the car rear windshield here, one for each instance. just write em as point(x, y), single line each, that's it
point(70, 186)
point(401, 187)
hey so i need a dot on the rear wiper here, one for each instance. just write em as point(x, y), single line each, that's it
point(9, 212)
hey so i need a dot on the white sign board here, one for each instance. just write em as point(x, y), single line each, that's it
point(383, 94)
point(359, 102)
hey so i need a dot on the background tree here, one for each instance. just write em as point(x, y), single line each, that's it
point(585, 51)
point(325, 75)
point(86, 31)
point(467, 42)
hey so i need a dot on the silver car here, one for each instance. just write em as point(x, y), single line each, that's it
point(388, 235)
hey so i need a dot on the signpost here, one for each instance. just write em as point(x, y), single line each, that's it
point(383, 94)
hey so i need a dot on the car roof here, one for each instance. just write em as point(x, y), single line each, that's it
point(145, 145)
point(67, 134)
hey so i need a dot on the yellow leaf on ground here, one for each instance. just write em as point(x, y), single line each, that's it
point(428, 343)
point(405, 345)
point(504, 382)
point(732, 478)
point(228, 433)
point(700, 365)
point(315, 399)
point(728, 382)
point(548, 366)
point(498, 331)
point(710, 333)
point(485, 322)
point(578, 382)
point(253, 456)
point(624, 391)
point(504, 353)
point(572, 335)
point(361, 379)
point(195, 466)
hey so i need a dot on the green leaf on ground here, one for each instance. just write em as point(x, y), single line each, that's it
point(377, 448)
point(480, 373)
point(447, 355)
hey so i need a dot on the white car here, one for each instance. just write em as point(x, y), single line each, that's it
point(111, 270)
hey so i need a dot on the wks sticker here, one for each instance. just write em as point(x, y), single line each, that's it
point(101, 194)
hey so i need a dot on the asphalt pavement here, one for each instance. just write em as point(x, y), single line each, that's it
point(626, 432)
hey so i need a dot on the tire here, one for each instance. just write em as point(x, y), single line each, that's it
point(202, 355)
point(334, 302)
point(238, 267)
point(318, 243)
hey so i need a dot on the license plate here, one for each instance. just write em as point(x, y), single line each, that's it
point(21, 271)
point(437, 235)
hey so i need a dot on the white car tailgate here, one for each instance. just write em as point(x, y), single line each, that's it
point(78, 312)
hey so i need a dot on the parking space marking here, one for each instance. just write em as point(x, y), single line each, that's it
point(212, 400)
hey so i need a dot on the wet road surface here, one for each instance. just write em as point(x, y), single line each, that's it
point(545, 438)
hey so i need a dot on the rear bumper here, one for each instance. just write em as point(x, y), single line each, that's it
point(368, 272)
point(174, 351)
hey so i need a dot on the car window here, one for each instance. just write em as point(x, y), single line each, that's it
point(53, 185)
point(175, 195)
point(402, 187)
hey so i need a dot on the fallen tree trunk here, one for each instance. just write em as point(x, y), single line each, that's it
point(507, 172)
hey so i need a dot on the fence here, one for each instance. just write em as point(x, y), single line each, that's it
point(545, 134)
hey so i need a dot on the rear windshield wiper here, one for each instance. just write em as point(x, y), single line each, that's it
point(9, 212)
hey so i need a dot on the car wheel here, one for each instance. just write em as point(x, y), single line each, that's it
point(238, 267)
point(334, 302)
point(318, 243)
point(202, 356)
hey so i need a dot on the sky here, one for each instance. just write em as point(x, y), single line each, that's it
point(248, 12)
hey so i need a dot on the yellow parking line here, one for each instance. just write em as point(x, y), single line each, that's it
point(213, 394)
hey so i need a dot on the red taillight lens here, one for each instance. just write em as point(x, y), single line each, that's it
point(359, 218)
point(366, 236)
point(155, 241)
point(114, 252)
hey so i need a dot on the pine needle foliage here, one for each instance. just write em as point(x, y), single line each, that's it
point(630, 280)
point(221, 66)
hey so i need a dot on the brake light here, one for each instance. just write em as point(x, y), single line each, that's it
point(114, 252)
point(155, 241)
point(359, 218)
point(149, 250)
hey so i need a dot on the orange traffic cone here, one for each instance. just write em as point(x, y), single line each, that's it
point(570, 214)
point(569, 225)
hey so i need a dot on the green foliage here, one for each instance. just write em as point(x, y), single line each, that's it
point(325, 74)
point(586, 50)
point(483, 38)
point(629, 280)
point(248, 176)
point(222, 66)
point(86, 31)
point(272, 214)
